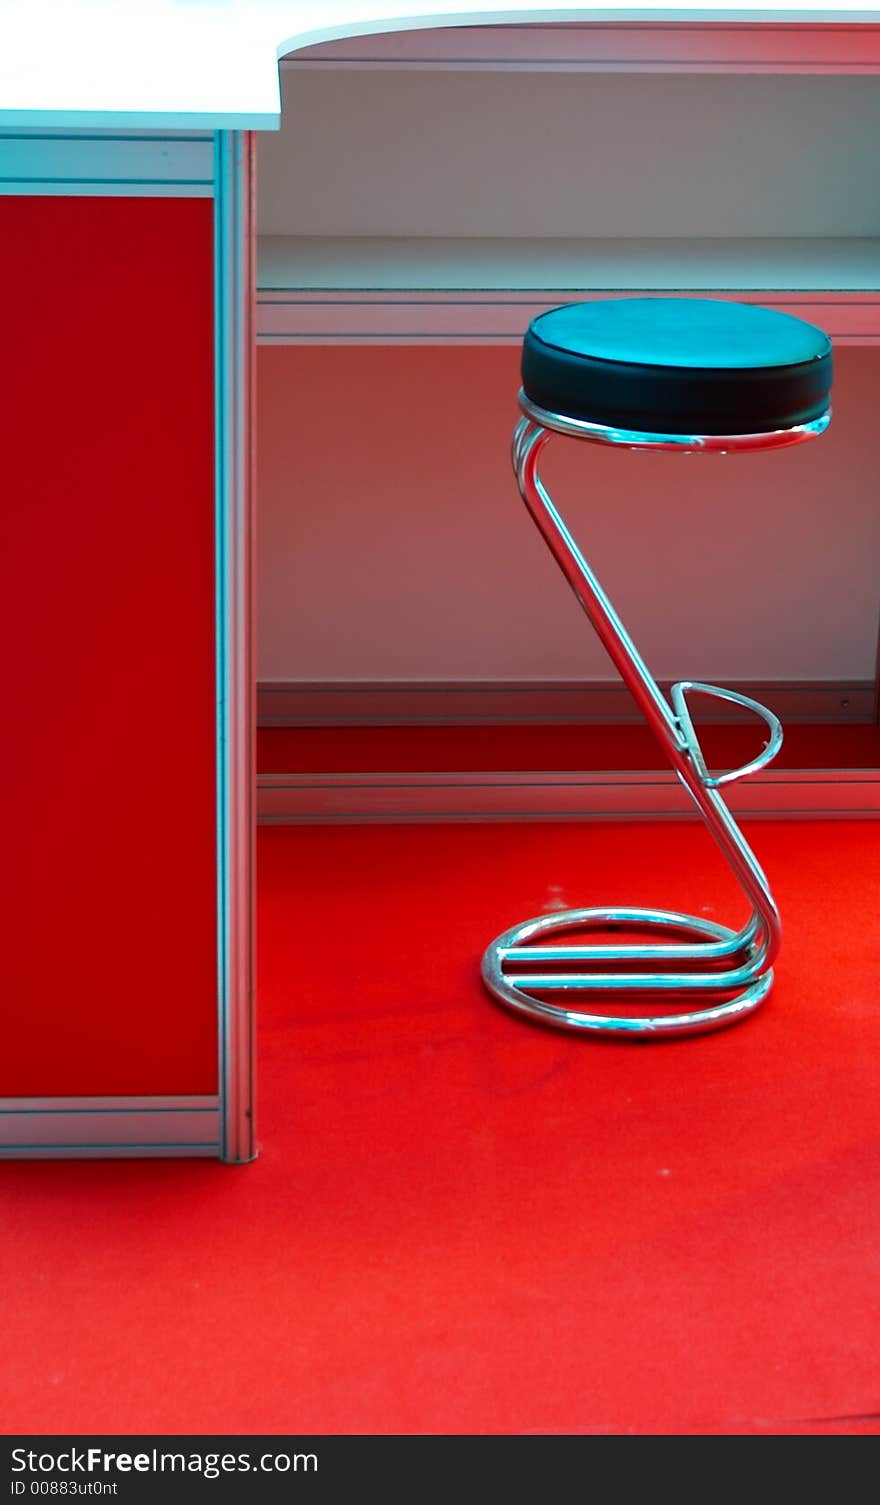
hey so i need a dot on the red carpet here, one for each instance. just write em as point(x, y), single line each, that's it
point(460, 1222)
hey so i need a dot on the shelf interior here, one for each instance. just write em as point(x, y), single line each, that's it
point(476, 264)
point(452, 749)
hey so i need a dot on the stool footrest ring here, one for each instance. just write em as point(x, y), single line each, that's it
point(723, 962)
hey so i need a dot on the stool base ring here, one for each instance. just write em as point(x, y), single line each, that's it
point(551, 970)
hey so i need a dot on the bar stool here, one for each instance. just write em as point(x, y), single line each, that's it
point(685, 375)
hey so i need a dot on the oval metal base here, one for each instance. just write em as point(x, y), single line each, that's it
point(716, 946)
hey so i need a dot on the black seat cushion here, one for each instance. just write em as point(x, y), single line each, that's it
point(677, 365)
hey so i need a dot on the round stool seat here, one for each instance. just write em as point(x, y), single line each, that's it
point(677, 366)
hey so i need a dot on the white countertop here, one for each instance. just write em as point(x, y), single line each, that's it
point(213, 64)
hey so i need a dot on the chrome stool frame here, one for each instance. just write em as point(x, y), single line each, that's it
point(716, 961)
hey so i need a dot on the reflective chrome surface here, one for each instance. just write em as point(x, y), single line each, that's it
point(234, 384)
point(706, 975)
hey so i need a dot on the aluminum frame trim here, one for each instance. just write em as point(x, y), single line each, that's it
point(234, 382)
point(310, 799)
point(154, 1103)
point(497, 316)
point(124, 1151)
point(145, 164)
point(93, 1126)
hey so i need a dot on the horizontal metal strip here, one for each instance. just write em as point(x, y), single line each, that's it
point(508, 817)
point(157, 1103)
point(92, 189)
point(93, 1128)
point(208, 1150)
point(526, 299)
point(803, 67)
point(462, 704)
point(285, 317)
point(95, 164)
point(463, 341)
point(551, 779)
point(47, 133)
point(547, 797)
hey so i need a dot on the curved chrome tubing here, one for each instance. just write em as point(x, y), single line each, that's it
point(727, 972)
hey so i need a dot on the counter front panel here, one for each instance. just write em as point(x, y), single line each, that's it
point(108, 646)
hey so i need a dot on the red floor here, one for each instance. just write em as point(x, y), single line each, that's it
point(460, 1222)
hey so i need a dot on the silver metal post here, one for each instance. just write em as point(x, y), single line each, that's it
point(234, 383)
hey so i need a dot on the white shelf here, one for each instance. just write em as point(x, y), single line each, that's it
point(214, 65)
point(658, 47)
point(355, 263)
point(364, 289)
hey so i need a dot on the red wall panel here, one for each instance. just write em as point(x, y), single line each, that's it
point(107, 757)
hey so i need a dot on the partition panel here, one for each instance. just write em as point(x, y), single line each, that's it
point(124, 634)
